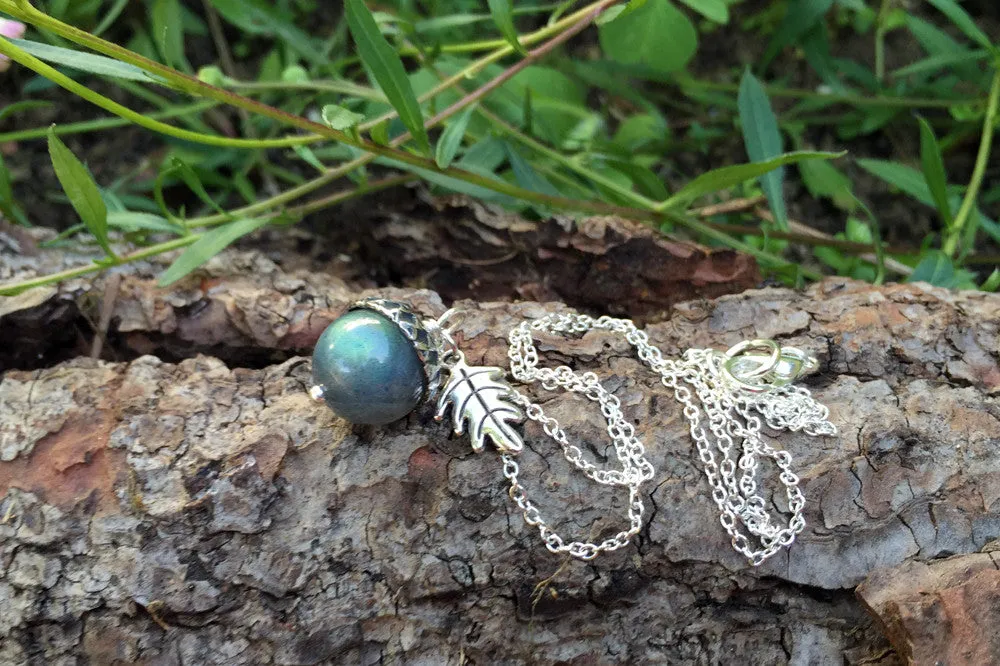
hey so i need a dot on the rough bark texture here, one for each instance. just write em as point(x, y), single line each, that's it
point(940, 612)
point(194, 512)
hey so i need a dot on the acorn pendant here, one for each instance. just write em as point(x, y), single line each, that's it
point(377, 362)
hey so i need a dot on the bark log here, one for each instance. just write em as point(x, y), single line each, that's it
point(195, 511)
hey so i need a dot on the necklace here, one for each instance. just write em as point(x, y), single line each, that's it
point(380, 360)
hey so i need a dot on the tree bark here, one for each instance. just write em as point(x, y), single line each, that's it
point(192, 509)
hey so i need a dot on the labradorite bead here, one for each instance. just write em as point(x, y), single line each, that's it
point(369, 370)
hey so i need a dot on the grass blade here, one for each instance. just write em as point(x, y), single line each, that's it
point(82, 191)
point(168, 31)
point(720, 179)
point(209, 245)
point(933, 167)
point(85, 62)
point(387, 68)
point(763, 141)
point(503, 16)
point(451, 138)
point(259, 18)
point(963, 22)
point(912, 182)
point(526, 176)
point(801, 16)
point(133, 222)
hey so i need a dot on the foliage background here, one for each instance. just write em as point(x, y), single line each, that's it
point(637, 109)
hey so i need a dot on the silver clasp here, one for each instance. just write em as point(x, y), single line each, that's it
point(762, 365)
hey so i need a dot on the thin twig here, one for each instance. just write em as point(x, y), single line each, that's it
point(731, 206)
point(533, 56)
point(111, 287)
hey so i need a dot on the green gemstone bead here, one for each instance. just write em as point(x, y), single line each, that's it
point(368, 369)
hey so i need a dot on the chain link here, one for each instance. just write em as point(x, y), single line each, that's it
point(724, 422)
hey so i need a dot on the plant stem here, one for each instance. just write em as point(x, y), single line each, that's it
point(979, 170)
point(840, 98)
point(23, 58)
point(282, 198)
point(468, 99)
point(880, 30)
point(103, 123)
point(322, 86)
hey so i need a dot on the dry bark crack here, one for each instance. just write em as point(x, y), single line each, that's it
point(193, 512)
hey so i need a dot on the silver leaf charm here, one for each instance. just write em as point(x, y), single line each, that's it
point(479, 397)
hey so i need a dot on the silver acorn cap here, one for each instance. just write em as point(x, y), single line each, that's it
point(423, 334)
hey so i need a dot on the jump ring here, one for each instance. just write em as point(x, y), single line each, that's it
point(772, 361)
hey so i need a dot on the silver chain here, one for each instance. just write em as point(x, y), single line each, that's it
point(723, 403)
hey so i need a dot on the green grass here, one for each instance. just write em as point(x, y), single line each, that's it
point(582, 108)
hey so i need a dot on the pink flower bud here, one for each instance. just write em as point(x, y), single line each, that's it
point(11, 29)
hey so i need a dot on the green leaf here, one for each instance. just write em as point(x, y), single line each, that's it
point(8, 206)
point(937, 268)
point(445, 22)
point(453, 184)
point(876, 234)
point(933, 166)
point(526, 176)
point(858, 231)
point(905, 178)
point(656, 34)
point(82, 191)
point(912, 182)
point(613, 12)
point(260, 18)
point(384, 64)
point(963, 22)
point(20, 107)
point(210, 244)
point(191, 179)
point(938, 43)
point(380, 133)
point(822, 179)
point(941, 61)
point(645, 181)
point(86, 62)
point(801, 16)
point(340, 118)
point(556, 105)
point(6, 184)
point(307, 155)
point(933, 39)
point(713, 10)
point(131, 222)
point(641, 130)
point(168, 31)
point(485, 156)
point(726, 177)
point(763, 141)
point(110, 17)
point(503, 16)
point(451, 138)
point(992, 283)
